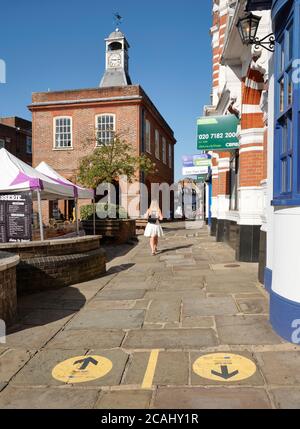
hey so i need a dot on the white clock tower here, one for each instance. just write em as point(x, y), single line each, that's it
point(116, 61)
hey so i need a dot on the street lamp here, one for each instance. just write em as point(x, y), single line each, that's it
point(248, 26)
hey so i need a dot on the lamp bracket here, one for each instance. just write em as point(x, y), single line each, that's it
point(267, 42)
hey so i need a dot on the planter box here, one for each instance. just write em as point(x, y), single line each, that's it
point(8, 288)
point(119, 230)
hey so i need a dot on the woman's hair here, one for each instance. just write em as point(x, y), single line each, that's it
point(154, 205)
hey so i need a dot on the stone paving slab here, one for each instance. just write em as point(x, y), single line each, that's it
point(209, 306)
point(198, 322)
point(96, 338)
point(132, 285)
point(280, 368)
point(170, 294)
point(45, 316)
point(170, 339)
point(287, 398)
point(212, 398)
point(179, 285)
point(116, 295)
point(100, 305)
point(47, 398)
point(108, 319)
point(225, 286)
point(31, 337)
point(246, 330)
point(172, 369)
point(255, 380)
point(11, 362)
point(253, 306)
point(124, 399)
point(163, 311)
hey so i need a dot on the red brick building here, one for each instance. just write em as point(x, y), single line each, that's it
point(15, 136)
point(65, 122)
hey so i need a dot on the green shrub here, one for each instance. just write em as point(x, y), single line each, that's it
point(110, 211)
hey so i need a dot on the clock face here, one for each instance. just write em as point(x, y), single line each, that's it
point(114, 61)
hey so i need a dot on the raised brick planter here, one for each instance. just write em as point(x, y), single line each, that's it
point(119, 230)
point(53, 264)
point(8, 289)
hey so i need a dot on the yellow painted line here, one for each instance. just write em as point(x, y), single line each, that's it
point(150, 371)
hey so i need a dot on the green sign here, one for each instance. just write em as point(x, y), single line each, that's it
point(217, 133)
point(201, 178)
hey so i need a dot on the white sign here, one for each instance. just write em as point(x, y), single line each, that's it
point(194, 171)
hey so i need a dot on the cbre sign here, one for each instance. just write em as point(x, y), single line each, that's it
point(217, 133)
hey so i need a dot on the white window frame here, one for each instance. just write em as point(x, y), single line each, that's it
point(164, 150)
point(148, 136)
point(157, 144)
point(2, 143)
point(113, 115)
point(54, 133)
point(29, 152)
point(170, 155)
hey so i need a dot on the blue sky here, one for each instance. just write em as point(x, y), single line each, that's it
point(59, 44)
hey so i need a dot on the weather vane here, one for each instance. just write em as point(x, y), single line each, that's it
point(118, 19)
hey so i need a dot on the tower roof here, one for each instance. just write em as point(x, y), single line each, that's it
point(117, 34)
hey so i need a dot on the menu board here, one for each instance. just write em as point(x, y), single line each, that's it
point(15, 217)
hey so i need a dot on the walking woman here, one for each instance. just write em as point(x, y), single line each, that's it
point(153, 228)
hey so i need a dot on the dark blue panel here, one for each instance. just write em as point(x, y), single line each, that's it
point(253, 5)
point(268, 279)
point(285, 318)
point(277, 5)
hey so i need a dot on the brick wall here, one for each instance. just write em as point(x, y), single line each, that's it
point(83, 106)
point(14, 131)
point(8, 289)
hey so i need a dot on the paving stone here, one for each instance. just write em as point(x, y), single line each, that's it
point(209, 306)
point(49, 398)
point(287, 398)
point(180, 285)
point(100, 305)
point(31, 337)
point(255, 380)
point(71, 339)
point(246, 330)
point(232, 287)
point(172, 369)
point(108, 319)
point(2, 385)
point(38, 371)
point(124, 399)
point(132, 285)
point(170, 339)
point(11, 362)
point(211, 398)
point(169, 294)
point(253, 306)
point(141, 304)
point(280, 368)
point(45, 316)
point(198, 322)
point(163, 311)
point(116, 295)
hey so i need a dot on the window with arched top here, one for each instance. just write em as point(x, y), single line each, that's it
point(115, 46)
point(105, 128)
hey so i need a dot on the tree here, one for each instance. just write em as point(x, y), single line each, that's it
point(109, 161)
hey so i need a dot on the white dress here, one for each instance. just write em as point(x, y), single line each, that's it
point(153, 229)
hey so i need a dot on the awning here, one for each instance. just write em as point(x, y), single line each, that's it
point(17, 176)
point(79, 192)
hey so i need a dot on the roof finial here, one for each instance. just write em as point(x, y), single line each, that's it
point(118, 19)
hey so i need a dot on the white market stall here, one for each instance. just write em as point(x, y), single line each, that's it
point(79, 192)
point(17, 176)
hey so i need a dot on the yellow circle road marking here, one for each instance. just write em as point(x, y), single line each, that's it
point(224, 367)
point(81, 369)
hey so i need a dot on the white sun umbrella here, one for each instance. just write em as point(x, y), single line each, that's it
point(79, 192)
point(17, 176)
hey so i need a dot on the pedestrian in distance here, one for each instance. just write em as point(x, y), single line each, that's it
point(153, 228)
